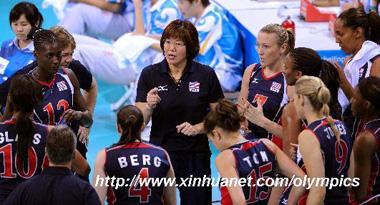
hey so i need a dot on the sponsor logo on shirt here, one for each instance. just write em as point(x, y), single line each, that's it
point(162, 88)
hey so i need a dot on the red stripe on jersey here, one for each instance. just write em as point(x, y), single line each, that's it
point(269, 77)
point(247, 146)
point(10, 121)
point(48, 84)
point(132, 145)
point(226, 198)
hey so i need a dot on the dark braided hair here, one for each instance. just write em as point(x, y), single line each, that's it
point(24, 94)
point(131, 120)
point(42, 37)
point(308, 62)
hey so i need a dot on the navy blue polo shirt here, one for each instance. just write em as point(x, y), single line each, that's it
point(187, 101)
point(55, 185)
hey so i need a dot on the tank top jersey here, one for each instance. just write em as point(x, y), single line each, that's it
point(255, 160)
point(12, 171)
point(58, 96)
point(271, 93)
point(336, 158)
point(373, 189)
point(137, 160)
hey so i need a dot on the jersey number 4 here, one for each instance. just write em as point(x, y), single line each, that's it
point(8, 172)
point(139, 187)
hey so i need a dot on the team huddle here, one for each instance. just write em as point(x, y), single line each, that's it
point(296, 116)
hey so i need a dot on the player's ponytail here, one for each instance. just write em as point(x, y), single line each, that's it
point(130, 120)
point(357, 17)
point(24, 95)
point(316, 91)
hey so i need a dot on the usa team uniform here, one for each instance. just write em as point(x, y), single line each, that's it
point(336, 158)
point(58, 96)
point(373, 189)
point(255, 160)
point(271, 93)
point(12, 172)
point(134, 160)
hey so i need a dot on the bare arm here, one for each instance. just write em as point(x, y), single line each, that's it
point(90, 95)
point(80, 165)
point(139, 20)
point(225, 163)
point(288, 168)
point(102, 4)
point(99, 172)
point(311, 153)
point(256, 116)
point(83, 115)
point(343, 82)
point(245, 82)
point(170, 191)
point(364, 147)
point(291, 127)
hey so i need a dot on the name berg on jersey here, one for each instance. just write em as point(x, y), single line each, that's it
point(138, 160)
point(4, 138)
point(254, 158)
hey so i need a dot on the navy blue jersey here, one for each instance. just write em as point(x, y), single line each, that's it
point(270, 92)
point(373, 127)
point(255, 160)
point(58, 96)
point(336, 156)
point(12, 171)
point(137, 160)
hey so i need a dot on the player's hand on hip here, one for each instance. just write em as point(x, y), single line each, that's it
point(152, 98)
point(187, 129)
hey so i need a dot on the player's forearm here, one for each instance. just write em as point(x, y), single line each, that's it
point(347, 88)
point(139, 20)
point(86, 119)
point(272, 127)
point(91, 95)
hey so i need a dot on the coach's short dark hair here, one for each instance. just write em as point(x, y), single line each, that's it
point(60, 145)
point(186, 32)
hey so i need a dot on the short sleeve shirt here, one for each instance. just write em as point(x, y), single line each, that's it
point(187, 101)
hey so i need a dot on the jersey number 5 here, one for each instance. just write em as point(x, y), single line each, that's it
point(253, 197)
